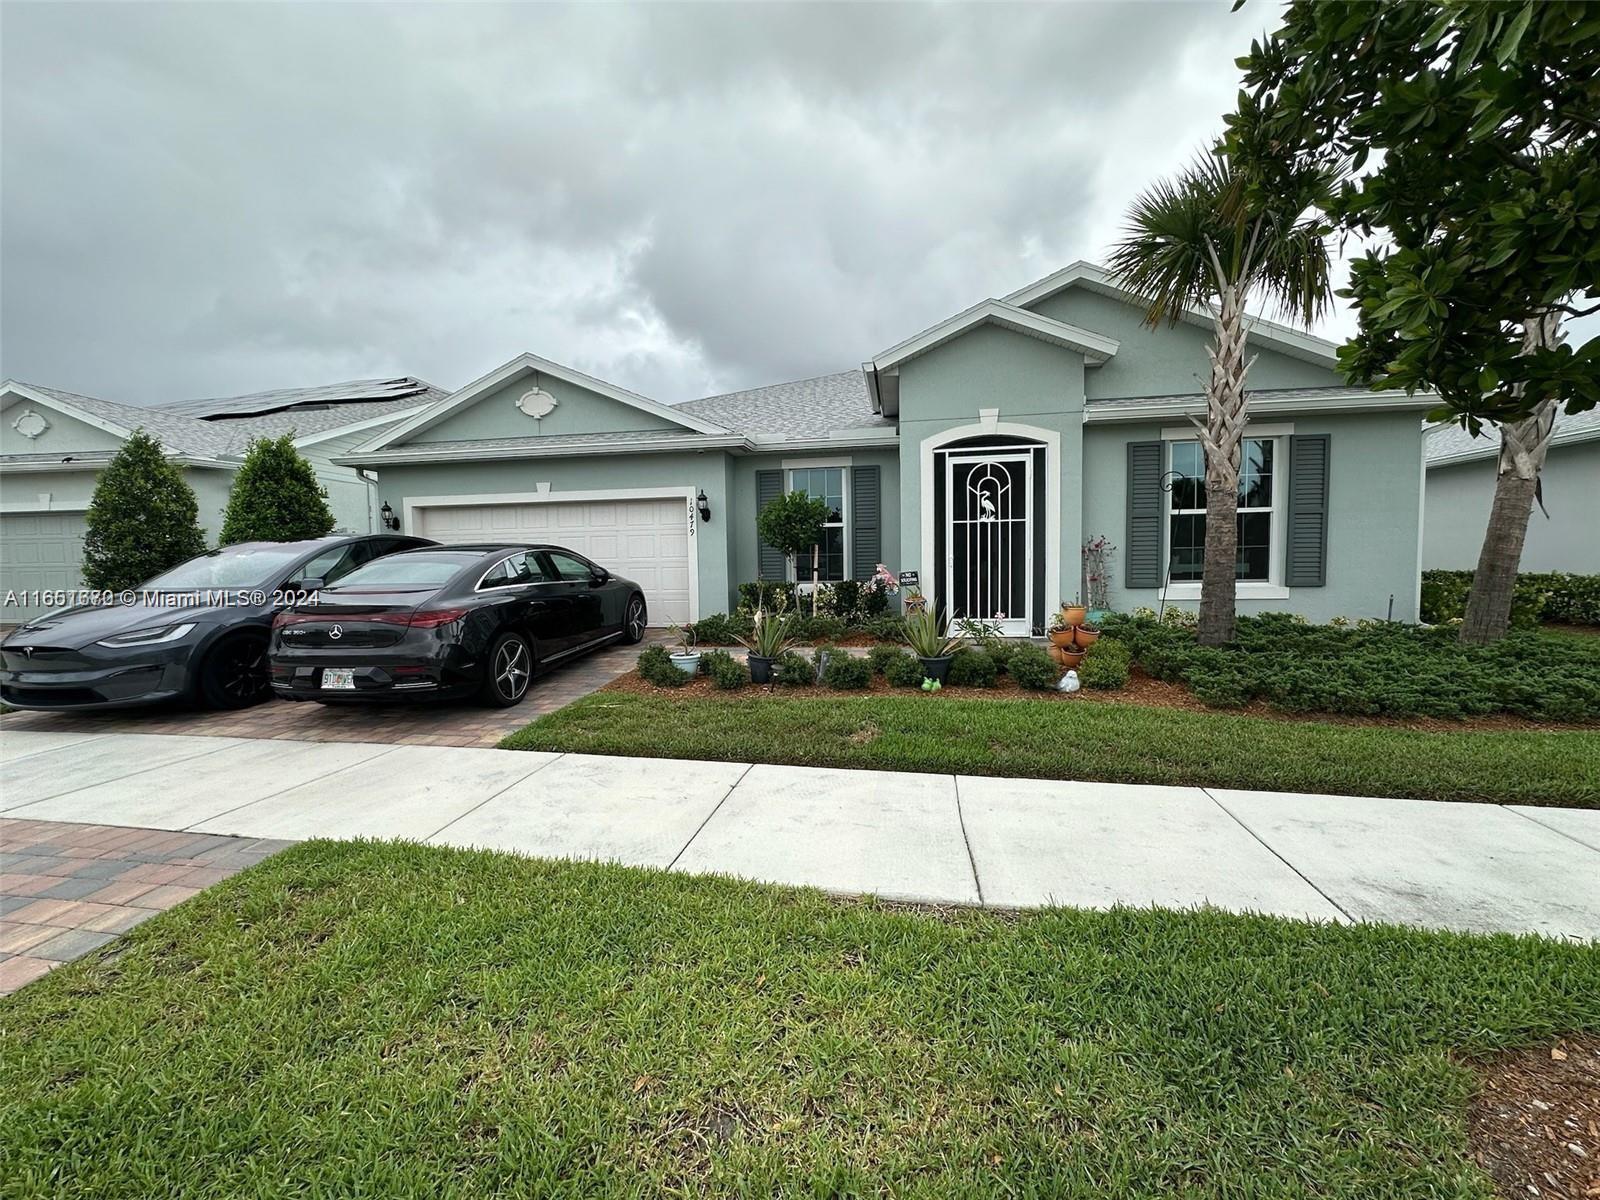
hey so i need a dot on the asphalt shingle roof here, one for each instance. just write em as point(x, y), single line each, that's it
point(1297, 393)
point(805, 408)
point(1451, 441)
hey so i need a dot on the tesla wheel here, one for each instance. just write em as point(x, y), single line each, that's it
point(633, 623)
point(235, 674)
point(510, 670)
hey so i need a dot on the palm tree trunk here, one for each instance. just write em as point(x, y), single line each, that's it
point(1221, 434)
point(1523, 446)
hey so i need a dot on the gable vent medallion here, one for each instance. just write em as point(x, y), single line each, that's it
point(30, 424)
point(537, 403)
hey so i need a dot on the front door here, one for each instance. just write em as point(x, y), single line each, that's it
point(989, 542)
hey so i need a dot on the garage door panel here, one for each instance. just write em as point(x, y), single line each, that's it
point(38, 552)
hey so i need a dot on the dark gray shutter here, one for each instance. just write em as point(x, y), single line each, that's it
point(866, 522)
point(770, 563)
point(1145, 509)
point(1306, 564)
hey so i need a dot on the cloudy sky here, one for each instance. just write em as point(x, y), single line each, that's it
point(206, 199)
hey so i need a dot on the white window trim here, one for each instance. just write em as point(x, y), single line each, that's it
point(802, 579)
point(1271, 588)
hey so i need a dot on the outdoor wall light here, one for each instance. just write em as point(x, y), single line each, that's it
point(386, 515)
point(705, 505)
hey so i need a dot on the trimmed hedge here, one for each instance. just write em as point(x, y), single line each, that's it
point(972, 667)
point(1553, 596)
point(846, 672)
point(1377, 670)
point(1107, 665)
point(655, 666)
point(793, 669)
point(880, 656)
point(1033, 668)
point(726, 671)
point(903, 671)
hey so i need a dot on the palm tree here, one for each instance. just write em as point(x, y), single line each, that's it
point(1207, 239)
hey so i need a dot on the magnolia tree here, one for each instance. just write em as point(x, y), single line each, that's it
point(142, 519)
point(1471, 133)
point(275, 497)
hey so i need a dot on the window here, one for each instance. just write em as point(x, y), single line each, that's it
point(570, 567)
point(1258, 495)
point(406, 571)
point(337, 562)
point(515, 571)
point(828, 485)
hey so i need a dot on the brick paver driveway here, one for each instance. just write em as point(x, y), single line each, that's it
point(423, 724)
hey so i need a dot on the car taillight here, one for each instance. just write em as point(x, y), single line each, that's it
point(432, 618)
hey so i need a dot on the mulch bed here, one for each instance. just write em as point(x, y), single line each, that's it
point(1141, 690)
point(1535, 1122)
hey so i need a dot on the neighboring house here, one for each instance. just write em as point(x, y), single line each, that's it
point(1461, 478)
point(980, 453)
point(53, 445)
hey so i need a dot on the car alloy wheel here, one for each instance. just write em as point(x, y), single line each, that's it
point(237, 674)
point(511, 671)
point(634, 624)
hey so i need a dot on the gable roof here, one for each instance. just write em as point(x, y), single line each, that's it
point(401, 393)
point(1095, 278)
point(804, 409)
point(1096, 348)
point(1449, 443)
point(501, 375)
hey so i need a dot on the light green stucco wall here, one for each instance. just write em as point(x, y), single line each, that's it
point(1169, 360)
point(578, 410)
point(72, 490)
point(66, 435)
point(1457, 513)
point(1374, 490)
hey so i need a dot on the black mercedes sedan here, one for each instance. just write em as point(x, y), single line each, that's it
point(451, 621)
point(198, 632)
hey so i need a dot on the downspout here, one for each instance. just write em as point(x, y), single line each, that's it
point(371, 480)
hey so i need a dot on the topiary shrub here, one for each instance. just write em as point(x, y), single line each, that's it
point(972, 667)
point(655, 666)
point(725, 671)
point(793, 524)
point(1107, 665)
point(1033, 668)
point(275, 497)
point(903, 671)
point(793, 669)
point(846, 672)
point(142, 519)
point(723, 629)
point(881, 655)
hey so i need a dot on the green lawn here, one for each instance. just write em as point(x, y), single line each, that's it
point(393, 1020)
point(1119, 743)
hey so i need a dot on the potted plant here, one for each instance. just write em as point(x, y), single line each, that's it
point(915, 601)
point(928, 635)
point(1060, 632)
point(1066, 656)
point(687, 658)
point(1073, 615)
point(1084, 636)
point(769, 640)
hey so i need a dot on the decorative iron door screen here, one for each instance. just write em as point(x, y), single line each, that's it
point(989, 553)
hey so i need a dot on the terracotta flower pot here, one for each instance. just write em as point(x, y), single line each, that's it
point(1074, 614)
point(1066, 657)
point(1061, 637)
point(1084, 637)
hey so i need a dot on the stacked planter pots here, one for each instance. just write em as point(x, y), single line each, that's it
point(1070, 643)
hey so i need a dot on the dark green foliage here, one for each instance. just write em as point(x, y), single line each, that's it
point(142, 519)
point(874, 600)
point(846, 600)
point(767, 594)
point(727, 672)
point(275, 497)
point(1032, 667)
point(1381, 670)
point(886, 627)
point(881, 655)
point(793, 524)
point(723, 629)
point(794, 669)
point(1552, 596)
point(1106, 665)
point(1001, 650)
point(655, 666)
point(818, 629)
point(972, 667)
point(904, 670)
point(846, 672)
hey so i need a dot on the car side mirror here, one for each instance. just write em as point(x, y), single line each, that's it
point(311, 583)
point(600, 575)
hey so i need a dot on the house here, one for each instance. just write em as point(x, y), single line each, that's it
point(1461, 479)
point(53, 445)
point(979, 454)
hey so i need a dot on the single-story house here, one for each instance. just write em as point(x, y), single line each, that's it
point(53, 445)
point(980, 454)
point(1461, 479)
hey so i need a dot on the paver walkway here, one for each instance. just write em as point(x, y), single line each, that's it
point(938, 838)
point(68, 889)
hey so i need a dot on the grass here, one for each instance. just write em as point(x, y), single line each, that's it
point(359, 1018)
point(1119, 743)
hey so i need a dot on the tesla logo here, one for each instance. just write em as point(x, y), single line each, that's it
point(27, 651)
point(336, 632)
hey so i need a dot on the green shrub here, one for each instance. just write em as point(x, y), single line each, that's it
point(881, 655)
point(1001, 651)
point(655, 666)
point(845, 601)
point(1106, 665)
point(903, 671)
point(846, 672)
point(886, 628)
point(727, 672)
point(972, 667)
point(818, 629)
point(1032, 667)
point(142, 518)
point(768, 594)
point(723, 629)
point(874, 600)
point(275, 497)
point(793, 669)
point(1553, 596)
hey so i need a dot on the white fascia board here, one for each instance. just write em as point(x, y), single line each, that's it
point(437, 411)
point(99, 464)
point(1367, 402)
point(361, 457)
point(838, 439)
point(1096, 348)
point(65, 407)
point(338, 431)
point(1095, 278)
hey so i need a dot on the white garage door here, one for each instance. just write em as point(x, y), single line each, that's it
point(38, 552)
point(646, 541)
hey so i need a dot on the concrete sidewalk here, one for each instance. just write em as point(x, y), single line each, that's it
point(938, 838)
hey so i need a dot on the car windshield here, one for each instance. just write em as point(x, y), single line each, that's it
point(230, 567)
point(407, 571)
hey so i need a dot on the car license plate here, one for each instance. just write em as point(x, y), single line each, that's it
point(339, 678)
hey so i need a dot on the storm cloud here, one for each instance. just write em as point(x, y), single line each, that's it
point(208, 199)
